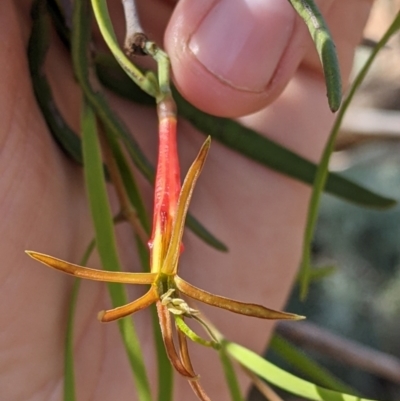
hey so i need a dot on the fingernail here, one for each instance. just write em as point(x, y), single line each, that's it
point(242, 41)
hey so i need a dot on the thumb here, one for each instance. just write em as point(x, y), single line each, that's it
point(226, 55)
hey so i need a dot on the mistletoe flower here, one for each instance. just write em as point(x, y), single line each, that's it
point(171, 203)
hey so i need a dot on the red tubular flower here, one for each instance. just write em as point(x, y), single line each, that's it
point(167, 185)
point(171, 203)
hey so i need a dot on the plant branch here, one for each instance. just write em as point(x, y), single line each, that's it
point(135, 38)
point(310, 336)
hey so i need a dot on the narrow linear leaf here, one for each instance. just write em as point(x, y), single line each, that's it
point(326, 49)
point(69, 375)
point(164, 367)
point(267, 152)
point(69, 370)
point(105, 240)
point(244, 140)
point(322, 171)
point(306, 365)
point(285, 380)
point(39, 42)
point(230, 376)
point(61, 15)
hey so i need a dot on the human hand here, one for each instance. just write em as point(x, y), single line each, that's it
point(258, 213)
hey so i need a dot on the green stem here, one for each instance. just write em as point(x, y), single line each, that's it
point(163, 70)
point(322, 171)
point(106, 243)
point(106, 28)
point(188, 332)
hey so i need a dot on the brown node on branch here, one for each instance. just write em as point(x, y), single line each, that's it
point(135, 44)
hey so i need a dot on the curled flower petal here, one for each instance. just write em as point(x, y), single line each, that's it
point(146, 300)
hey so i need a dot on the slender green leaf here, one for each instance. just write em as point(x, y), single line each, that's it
point(61, 15)
point(244, 140)
point(322, 171)
point(105, 240)
point(69, 371)
point(230, 376)
point(69, 375)
point(164, 367)
point(326, 49)
point(306, 365)
point(285, 380)
point(270, 154)
point(39, 42)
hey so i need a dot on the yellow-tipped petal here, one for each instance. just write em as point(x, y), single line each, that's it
point(171, 260)
point(146, 300)
point(93, 274)
point(231, 304)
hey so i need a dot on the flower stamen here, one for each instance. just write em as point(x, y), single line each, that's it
point(177, 306)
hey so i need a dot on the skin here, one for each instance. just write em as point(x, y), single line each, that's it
point(44, 208)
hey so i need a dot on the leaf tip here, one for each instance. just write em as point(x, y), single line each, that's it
point(334, 101)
